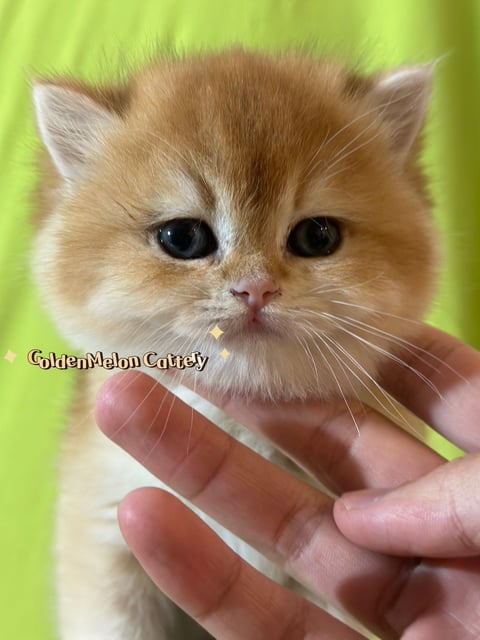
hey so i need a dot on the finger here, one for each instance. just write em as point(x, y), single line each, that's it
point(343, 453)
point(344, 446)
point(282, 517)
point(194, 568)
point(436, 516)
point(450, 400)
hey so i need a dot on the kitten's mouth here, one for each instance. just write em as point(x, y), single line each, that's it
point(253, 323)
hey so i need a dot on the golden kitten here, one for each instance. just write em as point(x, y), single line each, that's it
point(278, 197)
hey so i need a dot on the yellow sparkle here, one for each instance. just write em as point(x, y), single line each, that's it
point(10, 356)
point(216, 332)
point(224, 354)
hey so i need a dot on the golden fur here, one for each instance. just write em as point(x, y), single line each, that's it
point(251, 144)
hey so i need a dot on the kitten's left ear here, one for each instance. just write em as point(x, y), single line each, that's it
point(72, 126)
point(402, 96)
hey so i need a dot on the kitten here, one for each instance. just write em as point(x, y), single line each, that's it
point(278, 197)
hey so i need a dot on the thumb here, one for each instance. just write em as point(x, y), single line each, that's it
point(436, 516)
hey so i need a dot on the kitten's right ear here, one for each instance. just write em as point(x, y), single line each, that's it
point(402, 96)
point(72, 126)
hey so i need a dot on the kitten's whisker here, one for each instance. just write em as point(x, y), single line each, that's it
point(312, 165)
point(330, 176)
point(402, 340)
point(306, 349)
point(378, 109)
point(162, 433)
point(412, 348)
point(346, 155)
point(176, 376)
point(335, 321)
point(159, 328)
point(343, 365)
point(328, 141)
point(377, 311)
point(192, 413)
point(393, 415)
point(144, 399)
point(407, 346)
point(337, 381)
point(322, 290)
point(157, 413)
point(339, 155)
point(395, 359)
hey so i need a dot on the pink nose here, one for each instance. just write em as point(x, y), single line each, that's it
point(255, 293)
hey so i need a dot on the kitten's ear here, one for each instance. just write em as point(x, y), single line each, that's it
point(72, 126)
point(402, 96)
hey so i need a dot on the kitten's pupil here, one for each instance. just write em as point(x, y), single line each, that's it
point(186, 239)
point(314, 237)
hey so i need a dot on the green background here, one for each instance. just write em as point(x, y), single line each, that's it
point(88, 37)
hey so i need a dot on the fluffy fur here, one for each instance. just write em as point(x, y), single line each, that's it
point(251, 144)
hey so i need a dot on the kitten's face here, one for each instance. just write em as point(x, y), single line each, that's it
point(275, 198)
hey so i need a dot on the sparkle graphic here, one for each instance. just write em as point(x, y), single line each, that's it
point(10, 356)
point(224, 354)
point(216, 332)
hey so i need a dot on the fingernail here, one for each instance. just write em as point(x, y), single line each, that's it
point(362, 499)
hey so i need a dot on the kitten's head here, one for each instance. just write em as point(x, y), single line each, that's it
point(277, 197)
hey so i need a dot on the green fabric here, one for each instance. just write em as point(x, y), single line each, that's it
point(87, 37)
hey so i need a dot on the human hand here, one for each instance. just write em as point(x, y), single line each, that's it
point(434, 515)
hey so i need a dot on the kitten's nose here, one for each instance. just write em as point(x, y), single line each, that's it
point(255, 293)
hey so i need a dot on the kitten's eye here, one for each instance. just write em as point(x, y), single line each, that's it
point(187, 239)
point(314, 237)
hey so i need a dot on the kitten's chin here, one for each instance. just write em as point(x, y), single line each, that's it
point(269, 369)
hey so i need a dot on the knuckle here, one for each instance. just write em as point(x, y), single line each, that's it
point(223, 592)
point(202, 467)
point(329, 450)
point(298, 530)
point(295, 625)
point(467, 540)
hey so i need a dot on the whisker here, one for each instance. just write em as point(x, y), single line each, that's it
point(393, 415)
point(335, 321)
point(395, 359)
point(377, 311)
point(190, 431)
point(328, 141)
point(343, 365)
point(402, 341)
point(304, 344)
point(340, 155)
point(162, 433)
point(412, 348)
point(327, 290)
point(409, 347)
point(337, 382)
